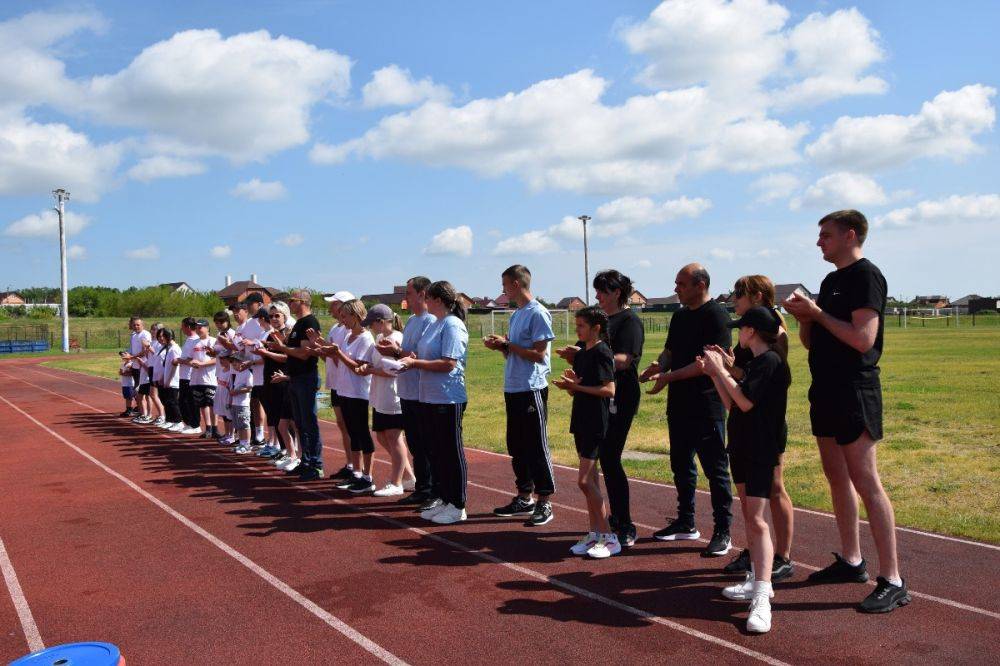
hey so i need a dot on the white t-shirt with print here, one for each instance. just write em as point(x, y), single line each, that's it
point(337, 334)
point(170, 376)
point(185, 370)
point(382, 394)
point(203, 376)
point(136, 345)
point(241, 379)
point(352, 385)
point(252, 330)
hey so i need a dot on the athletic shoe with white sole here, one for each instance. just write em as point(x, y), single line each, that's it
point(280, 462)
point(158, 421)
point(677, 530)
point(178, 427)
point(389, 490)
point(242, 449)
point(361, 485)
point(345, 484)
point(741, 591)
point(588, 541)
point(885, 598)
point(541, 515)
point(718, 545)
point(191, 431)
point(292, 466)
point(430, 513)
point(759, 621)
point(518, 506)
point(606, 546)
point(409, 485)
point(449, 515)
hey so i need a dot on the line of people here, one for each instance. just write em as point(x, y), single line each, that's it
point(258, 376)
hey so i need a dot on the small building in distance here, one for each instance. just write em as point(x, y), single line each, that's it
point(11, 298)
point(178, 287)
point(973, 303)
point(934, 302)
point(637, 300)
point(396, 299)
point(663, 304)
point(571, 303)
point(234, 292)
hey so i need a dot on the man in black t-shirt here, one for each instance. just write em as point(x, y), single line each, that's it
point(303, 380)
point(696, 418)
point(843, 332)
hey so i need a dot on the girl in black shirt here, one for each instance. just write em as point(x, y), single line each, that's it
point(757, 434)
point(591, 383)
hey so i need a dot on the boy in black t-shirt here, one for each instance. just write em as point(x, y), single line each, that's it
point(843, 332)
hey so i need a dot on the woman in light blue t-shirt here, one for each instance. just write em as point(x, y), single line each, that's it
point(441, 357)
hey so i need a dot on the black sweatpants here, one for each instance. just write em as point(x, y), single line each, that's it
point(419, 448)
point(355, 411)
point(705, 437)
point(441, 426)
point(528, 441)
point(615, 480)
point(189, 412)
point(171, 407)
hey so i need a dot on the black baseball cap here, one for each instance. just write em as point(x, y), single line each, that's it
point(254, 297)
point(201, 322)
point(758, 318)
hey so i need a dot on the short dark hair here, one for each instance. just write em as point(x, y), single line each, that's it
point(849, 219)
point(238, 305)
point(419, 283)
point(222, 315)
point(595, 316)
point(609, 280)
point(520, 273)
point(190, 322)
point(700, 274)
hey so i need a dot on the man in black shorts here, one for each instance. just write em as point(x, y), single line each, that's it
point(843, 330)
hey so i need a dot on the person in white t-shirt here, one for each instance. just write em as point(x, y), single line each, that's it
point(169, 380)
point(337, 335)
point(224, 343)
point(239, 399)
point(223, 399)
point(128, 385)
point(203, 379)
point(188, 409)
point(387, 415)
point(138, 346)
point(154, 369)
point(249, 332)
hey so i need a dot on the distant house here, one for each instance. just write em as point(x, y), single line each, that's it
point(974, 303)
point(663, 304)
point(781, 292)
point(10, 298)
point(484, 303)
point(178, 287)
point(571, 303)
point(502, 301)
point(934, 301)
point(397, 297)
point(637, 300)
point(239, 290)
point(468, 302)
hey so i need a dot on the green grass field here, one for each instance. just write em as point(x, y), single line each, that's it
point(940, 459)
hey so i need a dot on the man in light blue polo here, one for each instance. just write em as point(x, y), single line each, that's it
point(526, 347)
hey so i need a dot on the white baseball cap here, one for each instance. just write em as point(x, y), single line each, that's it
point(342, 296)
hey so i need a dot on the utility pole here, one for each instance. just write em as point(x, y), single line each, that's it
point(62, 196)
point(586, 264)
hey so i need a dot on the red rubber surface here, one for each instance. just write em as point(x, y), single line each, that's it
point(98, 561)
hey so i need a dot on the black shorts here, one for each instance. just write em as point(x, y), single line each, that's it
point(757, 476)
point(355, 411)
point(257, 392)
point(588, 446)
point(277, 405)
point(381, 422)
point(845, 411)
point(135, 376)
point(143, 389)
point(203, 396)
point(334, 399)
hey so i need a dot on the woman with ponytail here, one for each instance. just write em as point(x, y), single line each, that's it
point(441, 358)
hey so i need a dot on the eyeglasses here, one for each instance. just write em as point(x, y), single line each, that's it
point(276, 316)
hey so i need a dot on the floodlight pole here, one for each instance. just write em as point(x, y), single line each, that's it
point(586, 264)
point(62, 196)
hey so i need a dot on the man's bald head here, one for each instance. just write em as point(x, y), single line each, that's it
point(691, 285)
point(698, 273)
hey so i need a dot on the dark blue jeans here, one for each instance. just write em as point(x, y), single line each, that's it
point(302, 389)
point(705, 437)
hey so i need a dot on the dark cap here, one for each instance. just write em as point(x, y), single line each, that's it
point(201, 322)
point(379, 312)
point(254, 297)
point(758, 318)
point(239, 305)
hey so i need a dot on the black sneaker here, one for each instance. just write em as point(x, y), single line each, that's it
point(677, 531)
point(885, 598)
point(345, 473)
point(127, 412)
point(431, 503)
point(418, 497)
point(626, 535)
point(517, 507)
point(361, 485)
point(345, 484)
point(840, 572)
point(741, 564)
point(541, 514)
point(310, 473)
point(719, 545)
point(781, 569)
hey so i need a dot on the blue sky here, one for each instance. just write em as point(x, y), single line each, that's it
point(350, 145)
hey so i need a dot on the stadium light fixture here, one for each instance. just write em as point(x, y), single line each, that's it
point(586, 264)
point(62, 196)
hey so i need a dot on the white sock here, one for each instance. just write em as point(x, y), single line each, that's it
point(898, 582)
point(244, 442)
point(260, 434)
point(853, 563)
point(350, 466)
point(761, 587)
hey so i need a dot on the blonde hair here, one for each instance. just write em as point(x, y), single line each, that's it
point(354, 308)
point(748, 285)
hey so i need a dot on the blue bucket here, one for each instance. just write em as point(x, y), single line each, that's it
point(74, 654)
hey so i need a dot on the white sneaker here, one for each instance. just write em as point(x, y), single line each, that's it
point(450, 514)
point(167, 425)
point(588, 541)
point(606, 546)
point(430, 513)
point(742, 591)
point(178, 427)
point(759, 621)
point(191, 431)
point(409, 485)
point(280, 462)
point(158, 421)
point(292, 464)
point(388, 490)
point(242, 449)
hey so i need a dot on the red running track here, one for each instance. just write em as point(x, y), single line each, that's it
point(181, 552)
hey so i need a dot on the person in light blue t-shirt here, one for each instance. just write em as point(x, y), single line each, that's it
point(441, 357)
point(526, 348)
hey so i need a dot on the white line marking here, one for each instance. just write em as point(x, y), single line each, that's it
point(804, 565)
point(275, 582)
point(28, 625)
point(555, 582)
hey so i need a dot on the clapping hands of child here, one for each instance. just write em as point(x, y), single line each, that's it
point(278, 377)
point(567, 353)
point(568, 381)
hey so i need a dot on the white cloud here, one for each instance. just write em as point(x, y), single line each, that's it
point(76, 252)
point(531, 242)
point(291, 240)
point(944, 127)
point(148, 252)
point(394, 86)
point(558, 134)
point(221, 251)
point(46, 225)
point(644, 263)
point(36, 157)
point(953, 209)
point(164, 166)
point(455, 241)
point(841, 190)
point(244, 97)
point(256, 189)
point(775, 186)
point(722, 253)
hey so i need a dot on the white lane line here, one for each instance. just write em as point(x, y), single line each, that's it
point(659, 484)
point(28, 625)
point(275, 582)
point(525, 571)
point(922, 595)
